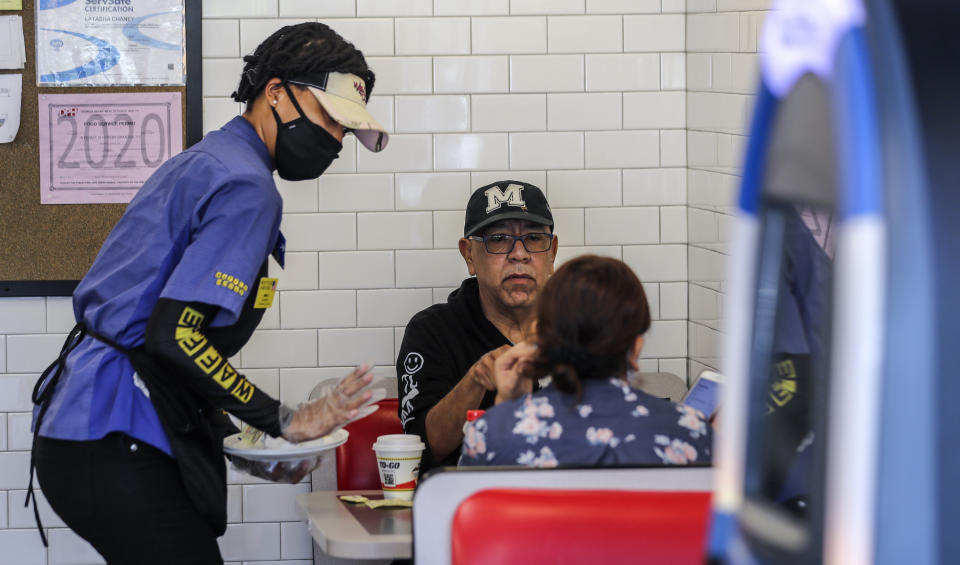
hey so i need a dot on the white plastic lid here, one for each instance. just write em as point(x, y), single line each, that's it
point(399, 442)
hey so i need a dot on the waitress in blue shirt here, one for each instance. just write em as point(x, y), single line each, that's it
point(130, 419)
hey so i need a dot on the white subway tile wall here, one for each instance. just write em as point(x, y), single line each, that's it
point(653, 33)
point(67, 548)
point(59, 315)
point(433, 113)
point(22, 516)
point(471, 7)
point(509, 112)
point(626, 6)
point(19, 437)
point(546, 73)
point(584, 34)
point(546, 6)
point(312, 8)
point(22, 547)
point(253, 541)
point(394, 7)
point(32, 353)
point(624, 71)
point(628, 113)
point(622, 149)
point(721, 75)
point(355, 193)
point(295, 542)
point(575, 111)
point(408, 153)
point(447, 229)
point(652, 291)
point(470, 151)
point(569, 226)
point(471, 74)
point(401, 75)
point(560, 150)
point(432, 36)
point(501, 35)
point(373, 36)
point(483, 178)
point(298, 196)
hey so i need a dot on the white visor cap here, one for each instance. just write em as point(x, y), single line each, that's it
point(344, 97)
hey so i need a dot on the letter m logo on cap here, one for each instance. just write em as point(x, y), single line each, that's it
point(511, 195)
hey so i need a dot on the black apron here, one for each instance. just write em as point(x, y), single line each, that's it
point(194, 427)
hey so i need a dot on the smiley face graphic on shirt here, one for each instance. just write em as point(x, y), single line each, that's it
point(413, 362)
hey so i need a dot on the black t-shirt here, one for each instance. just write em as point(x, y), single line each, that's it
point(439, 346)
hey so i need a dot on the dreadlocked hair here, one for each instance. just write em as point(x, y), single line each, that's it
point(309, 47)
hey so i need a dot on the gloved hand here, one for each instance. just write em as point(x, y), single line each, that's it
point(333, 406)
point(290, 471)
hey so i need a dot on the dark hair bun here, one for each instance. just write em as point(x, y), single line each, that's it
point(589, 316)
point(564, 376)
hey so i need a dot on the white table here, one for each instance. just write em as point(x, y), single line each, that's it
point(355, 531)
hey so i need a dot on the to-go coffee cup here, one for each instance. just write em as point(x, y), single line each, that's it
point(398, 458)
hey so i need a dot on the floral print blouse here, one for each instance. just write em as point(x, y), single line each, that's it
point(614, 424)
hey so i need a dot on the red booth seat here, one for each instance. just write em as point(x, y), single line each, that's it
point(524, 526)
point(356, 461)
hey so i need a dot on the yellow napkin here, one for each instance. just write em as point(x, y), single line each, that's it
point(378, 503)
point(389, 503)
point(250, 436)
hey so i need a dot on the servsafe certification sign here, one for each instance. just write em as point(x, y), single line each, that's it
point(100, 148)
point(110, 42)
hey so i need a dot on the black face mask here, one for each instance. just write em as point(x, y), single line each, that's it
point(304, 149)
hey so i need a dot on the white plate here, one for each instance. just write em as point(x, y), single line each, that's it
point(233, 446)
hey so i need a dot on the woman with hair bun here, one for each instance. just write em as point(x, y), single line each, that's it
point(591, 317)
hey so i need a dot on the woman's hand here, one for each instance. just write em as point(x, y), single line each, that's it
point(508, 369)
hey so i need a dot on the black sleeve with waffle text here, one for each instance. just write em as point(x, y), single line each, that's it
point(178, 335)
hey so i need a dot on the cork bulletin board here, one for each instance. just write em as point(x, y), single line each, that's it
point(46, 249)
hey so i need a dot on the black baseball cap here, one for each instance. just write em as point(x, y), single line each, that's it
point(506, 200)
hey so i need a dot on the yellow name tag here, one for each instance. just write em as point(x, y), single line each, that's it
point(265, 292)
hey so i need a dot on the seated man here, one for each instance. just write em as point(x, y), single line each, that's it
point(445, 363)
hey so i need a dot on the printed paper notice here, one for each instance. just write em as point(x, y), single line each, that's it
point(12, 52)
point(11, 4)
point(10, 90)
point(100, 148)
point(110, 42)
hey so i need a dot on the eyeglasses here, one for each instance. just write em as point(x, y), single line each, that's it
point(503, 243)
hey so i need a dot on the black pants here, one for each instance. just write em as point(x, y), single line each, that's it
point(126, 498)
